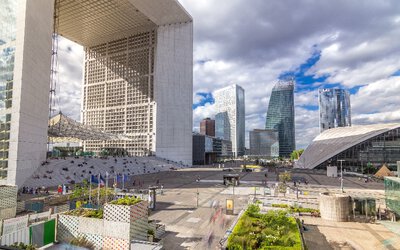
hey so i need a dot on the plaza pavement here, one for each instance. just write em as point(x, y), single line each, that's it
point(188, 225)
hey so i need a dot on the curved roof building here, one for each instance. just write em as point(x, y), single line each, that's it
point(357, 146)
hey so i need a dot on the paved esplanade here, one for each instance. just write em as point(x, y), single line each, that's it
point(189, 226)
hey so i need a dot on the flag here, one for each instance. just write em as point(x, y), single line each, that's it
point(119, 178)
point(126, 177)
point(94, 179)
point(102, 181)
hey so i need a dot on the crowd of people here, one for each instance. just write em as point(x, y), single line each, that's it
point(34, 190)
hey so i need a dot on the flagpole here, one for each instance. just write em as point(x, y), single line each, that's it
point(90, 190)
point(106, 186)
point(98, 192)
point(115, 184)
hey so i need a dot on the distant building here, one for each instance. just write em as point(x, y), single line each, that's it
point(223, 148)
point(358, 146)
point(207, 149)
point(230, 119)
point(264, 143)
point(207, 127)
point(222, 126)
point(334, 108)
point(280, 116)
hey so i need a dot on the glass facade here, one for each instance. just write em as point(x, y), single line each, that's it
point(280, 116)
point(334, 108)
point(230, 119)
point(222, 127)
point(392, 194)
point(264, 143)
point(7, 54)
point(379, 150)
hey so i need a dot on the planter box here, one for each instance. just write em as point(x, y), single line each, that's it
point(135, 217)
point(70, 227)
point(120, 225)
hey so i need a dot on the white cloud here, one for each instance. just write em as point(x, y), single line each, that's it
point(252, 44)
point(69, 86)
point(377, 102)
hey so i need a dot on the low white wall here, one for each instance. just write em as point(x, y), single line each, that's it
point(334, 207)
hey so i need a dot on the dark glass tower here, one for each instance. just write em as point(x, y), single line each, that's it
point(334, 108)
point(280, 116)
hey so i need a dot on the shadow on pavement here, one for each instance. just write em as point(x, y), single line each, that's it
point(171, 241)
point(315, 239)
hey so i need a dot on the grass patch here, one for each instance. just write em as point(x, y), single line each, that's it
point(273, 230)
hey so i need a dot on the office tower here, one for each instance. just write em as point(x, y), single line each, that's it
point(137, 77)
point(207, 127)
point(222, 126)
point(334, 108)
point(280, 116)
point(264, 143)
point(230, 118)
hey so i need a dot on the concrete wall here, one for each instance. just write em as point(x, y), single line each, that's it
point(8, 202)
point(334, 207)
point(30, 103)
point(173, 91)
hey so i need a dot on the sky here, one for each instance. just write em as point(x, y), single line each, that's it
point(352, 44)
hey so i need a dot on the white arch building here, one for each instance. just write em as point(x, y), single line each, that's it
point(137, 77)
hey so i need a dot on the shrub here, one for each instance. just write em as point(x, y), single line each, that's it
point(23, 246)
point(82, 242)
point(129, 201)
point(280, 205)
point(89, 213)
point(273, 230)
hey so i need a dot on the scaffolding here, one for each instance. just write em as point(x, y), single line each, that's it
point(54, 64)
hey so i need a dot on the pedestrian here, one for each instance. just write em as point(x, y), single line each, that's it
point(302, 224)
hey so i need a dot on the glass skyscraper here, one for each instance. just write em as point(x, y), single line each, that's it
point(334, 108)
point(230, 118)
point(280, 116)
point(7, 54)
point(222, 126)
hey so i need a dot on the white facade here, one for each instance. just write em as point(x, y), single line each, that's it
point(230, 101)
point(30, 91)
point(167, 116)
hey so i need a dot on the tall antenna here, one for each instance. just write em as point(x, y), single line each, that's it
point(54, 63)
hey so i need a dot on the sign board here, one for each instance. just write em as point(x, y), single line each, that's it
point(331, 171)
point(15, 224)
point(229, 206)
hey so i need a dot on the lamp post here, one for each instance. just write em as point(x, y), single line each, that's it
point(341, 175)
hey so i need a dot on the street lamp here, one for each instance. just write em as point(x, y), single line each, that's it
point(341, 175)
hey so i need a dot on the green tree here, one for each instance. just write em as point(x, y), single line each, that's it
point(295, 155)
point(283, 179)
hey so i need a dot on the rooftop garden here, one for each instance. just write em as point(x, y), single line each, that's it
point(273, 230)
point(129, 201)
